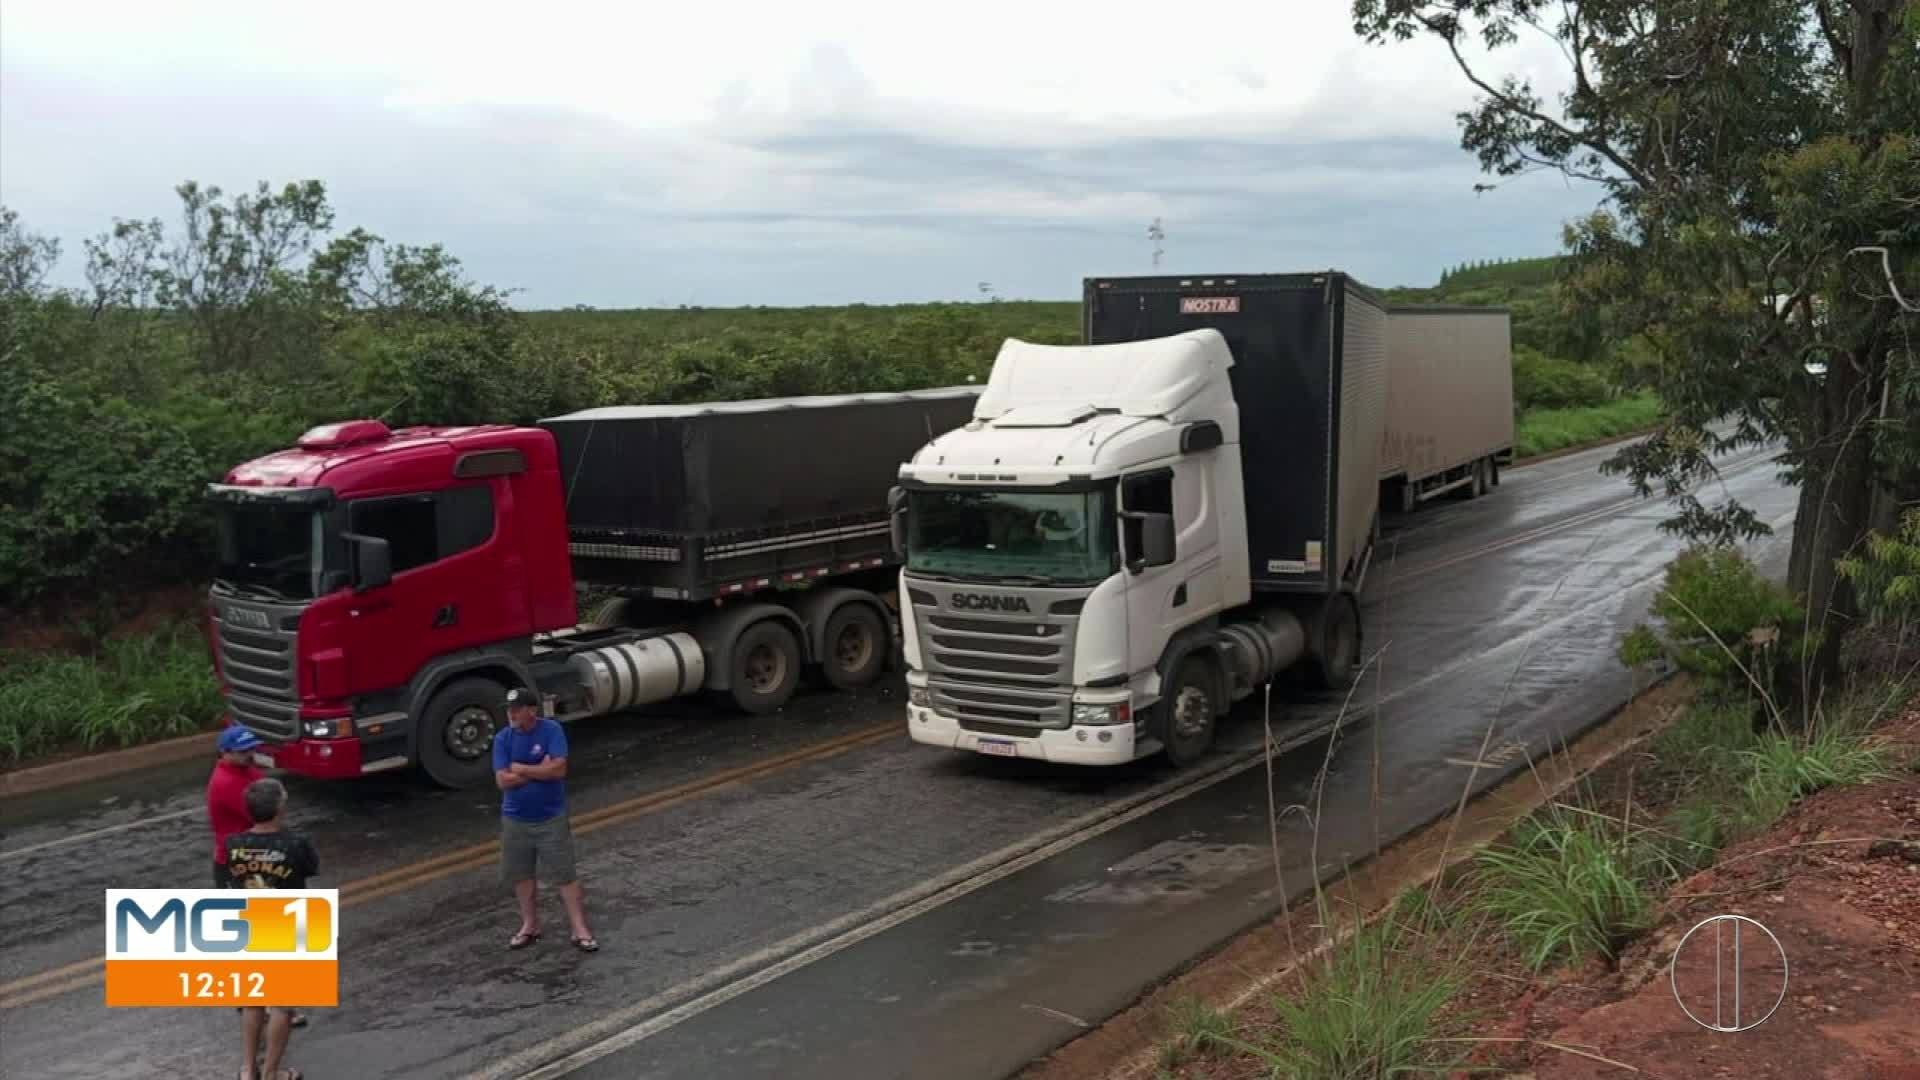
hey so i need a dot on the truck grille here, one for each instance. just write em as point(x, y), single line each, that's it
point(257, 657)
point(1018, 650)
point(1002, 710)
point(999, 669)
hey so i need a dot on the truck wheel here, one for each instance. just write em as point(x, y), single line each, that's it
point(1186, 714)
point(456, 737)
point(856, 647)
point(1493, 473)
point(1479, 486)
point(1336, 643)
point(764, 668)
point(610, 613)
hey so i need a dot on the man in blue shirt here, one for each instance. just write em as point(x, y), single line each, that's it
point(530, 768)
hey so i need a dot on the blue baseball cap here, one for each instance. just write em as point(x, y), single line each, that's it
point(236, 739)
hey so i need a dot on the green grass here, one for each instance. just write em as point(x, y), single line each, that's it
point(1375, 1006)
point(1784, 767)
point(1566, 887)
point(1198, 1030)
point(131, 690)
point(1542, 431)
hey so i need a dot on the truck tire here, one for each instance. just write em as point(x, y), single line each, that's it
point(855, 647)
point(764, 668)
point(1334, 644)
point(1187, 714)
point(610, 614)
point(1493, 473)
point(457, 729)
point(1478, 486)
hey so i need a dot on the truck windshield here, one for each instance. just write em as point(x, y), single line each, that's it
point(270, 549)
point(1002, 535)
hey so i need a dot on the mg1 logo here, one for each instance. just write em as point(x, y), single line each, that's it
point(222, 947)
point(989, 602)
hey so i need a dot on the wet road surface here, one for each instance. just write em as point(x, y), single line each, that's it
point(814, 895)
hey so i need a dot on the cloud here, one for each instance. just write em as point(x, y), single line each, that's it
point(831, 152)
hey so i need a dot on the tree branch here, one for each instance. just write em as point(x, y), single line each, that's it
point(1893, 286)
point(1592, 142)
point(1830, 30)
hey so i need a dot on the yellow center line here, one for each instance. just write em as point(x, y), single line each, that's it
point(81, 974)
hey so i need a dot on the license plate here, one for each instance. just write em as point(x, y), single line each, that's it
point(998, 748)
point(263, 761)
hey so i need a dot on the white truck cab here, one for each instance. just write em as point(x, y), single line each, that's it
point(1090, 512)
point(1082, 583)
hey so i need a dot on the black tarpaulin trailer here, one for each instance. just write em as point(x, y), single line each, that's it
point(1309, 374)
point(685, 501)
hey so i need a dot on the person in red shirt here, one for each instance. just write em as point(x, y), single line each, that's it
point(227, 802)
point(227, 794)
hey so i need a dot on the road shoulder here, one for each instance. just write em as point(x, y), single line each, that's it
point(1129, 1045)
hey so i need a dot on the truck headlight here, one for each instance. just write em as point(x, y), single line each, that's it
point(1091, 714)
point(918, 695)
point(327, 728)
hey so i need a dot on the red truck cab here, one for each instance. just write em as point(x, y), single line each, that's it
point(364, 568)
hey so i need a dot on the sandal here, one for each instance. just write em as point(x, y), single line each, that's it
point(523, 939)
point(586, 944)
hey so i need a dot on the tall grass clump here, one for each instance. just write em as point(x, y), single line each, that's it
point(1785, 767)
point(130, 690)
point(1199, 1029)
point(1569, 886)
point(1375, 1006)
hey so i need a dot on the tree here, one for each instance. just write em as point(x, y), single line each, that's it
point(25, 258)
point(1746, 152)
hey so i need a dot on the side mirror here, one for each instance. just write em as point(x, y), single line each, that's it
point(897, 520)
point(372, 562)
point(1156, 539)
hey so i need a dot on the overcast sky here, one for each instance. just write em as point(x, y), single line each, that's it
point(643, 154)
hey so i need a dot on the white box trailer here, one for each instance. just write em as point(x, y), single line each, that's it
point(1449, 422)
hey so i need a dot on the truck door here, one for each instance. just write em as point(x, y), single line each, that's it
point(446, 593)
point(1163, 600)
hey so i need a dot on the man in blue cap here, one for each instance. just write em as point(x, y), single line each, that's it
point(227, 793)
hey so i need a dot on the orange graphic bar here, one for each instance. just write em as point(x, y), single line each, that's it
point(224, 983)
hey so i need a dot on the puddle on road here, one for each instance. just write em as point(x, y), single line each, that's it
point(1171, 869)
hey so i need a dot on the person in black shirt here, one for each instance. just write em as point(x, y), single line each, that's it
point(268, 856)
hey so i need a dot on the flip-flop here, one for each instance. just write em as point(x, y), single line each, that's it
point(586, 944)
point(523, 939)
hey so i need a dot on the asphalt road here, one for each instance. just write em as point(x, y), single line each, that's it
point(814, 895)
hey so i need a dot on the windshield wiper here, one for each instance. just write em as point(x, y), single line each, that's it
point(251, 591)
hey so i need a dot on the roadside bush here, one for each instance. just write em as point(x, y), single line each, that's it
point(1721, 619)
point(132, 690)
point(1542, 431)
point(1546, 382)
point(88, 488)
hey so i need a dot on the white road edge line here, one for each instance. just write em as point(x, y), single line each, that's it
point(624, 1028)
point(108, 831)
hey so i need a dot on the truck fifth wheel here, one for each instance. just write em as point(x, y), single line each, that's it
point(378, 591)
